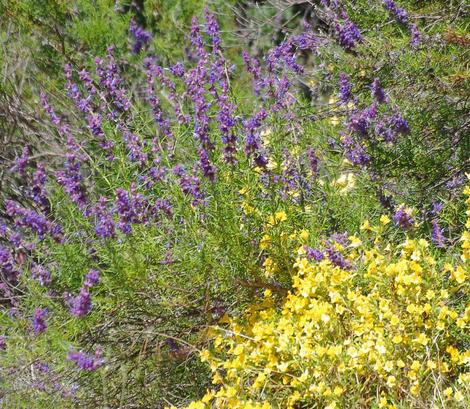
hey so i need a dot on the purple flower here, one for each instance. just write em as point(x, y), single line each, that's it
point(284, 56)
point(135, 149)
point(112, 83)
point(38, 321)
point(52, 114)
point(314, 254)
point(253, 67)
point(139, 36)
point(313, 161)
point(415, 35)
point(70, 177)
point(41, 367)
point(35, 221)
point(437, 235)
point(252, 139)
point(348, 33)
point(436, 208)
point(73, 91)
point(163, 205)
point(80, 305)
point(132, 208)
point(8, 266)
point(3, 343)
point(305, 40)
point(41, 274)
point(456, 181)
point(359, 122)
point(337, 259)
point(212, 28)
point(104, 226)
point(378, 93)
point(196, 39)
point(39, 192)
point(92, 278)
point(85, 361)
point(164, 124)
point(334, 4)
point(341, 238)
point(355, 152)
point(177, 70)
point(190, 185)
point(402, 218)
point(400, 14)
point(345, 93)
point(21, 161)
point(208, 169)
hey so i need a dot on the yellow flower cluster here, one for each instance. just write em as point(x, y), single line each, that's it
point(392, 330)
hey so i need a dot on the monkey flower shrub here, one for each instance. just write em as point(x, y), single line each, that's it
point(388, 328)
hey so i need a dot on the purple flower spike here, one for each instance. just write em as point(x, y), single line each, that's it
point(345, 93)
point(32, 220)
point(355, 152)
point(8, 266)
point(80, 305)
point(415, 36)
point(337, 259)
point(92, 278)
point(437, 235)
point(313, 161)
point(348, 33)
point(402, 218)
point(39, 187)
point(212, 28)
point(400, 14)
point(197, 40)
point(378, 93)
point(436, 208)
point(85, 361)
point(105, 226)
point(190, 185)
point(41, 274)
point(39, 322)
point(139, 36)
point(253, 141)
point(207, 168)
point(360, 120)
point(314, 254)
point(21, 162)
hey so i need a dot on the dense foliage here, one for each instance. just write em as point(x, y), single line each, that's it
point(271, 214)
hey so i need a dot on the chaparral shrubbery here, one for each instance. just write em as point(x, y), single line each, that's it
point(271, 214)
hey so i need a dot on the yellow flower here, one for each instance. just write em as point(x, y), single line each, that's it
point(458, 275)
point(196, 405)
point(391, 381)
point(383, 402)
point(458, 396)
point(264, 242)
point(278, 217)
point(431, 365)
point(422, 339)
point(365, 225)
point(414, 389)
point(304, 234)
point(384, 220)
point(338, 390)
point(415, 366)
